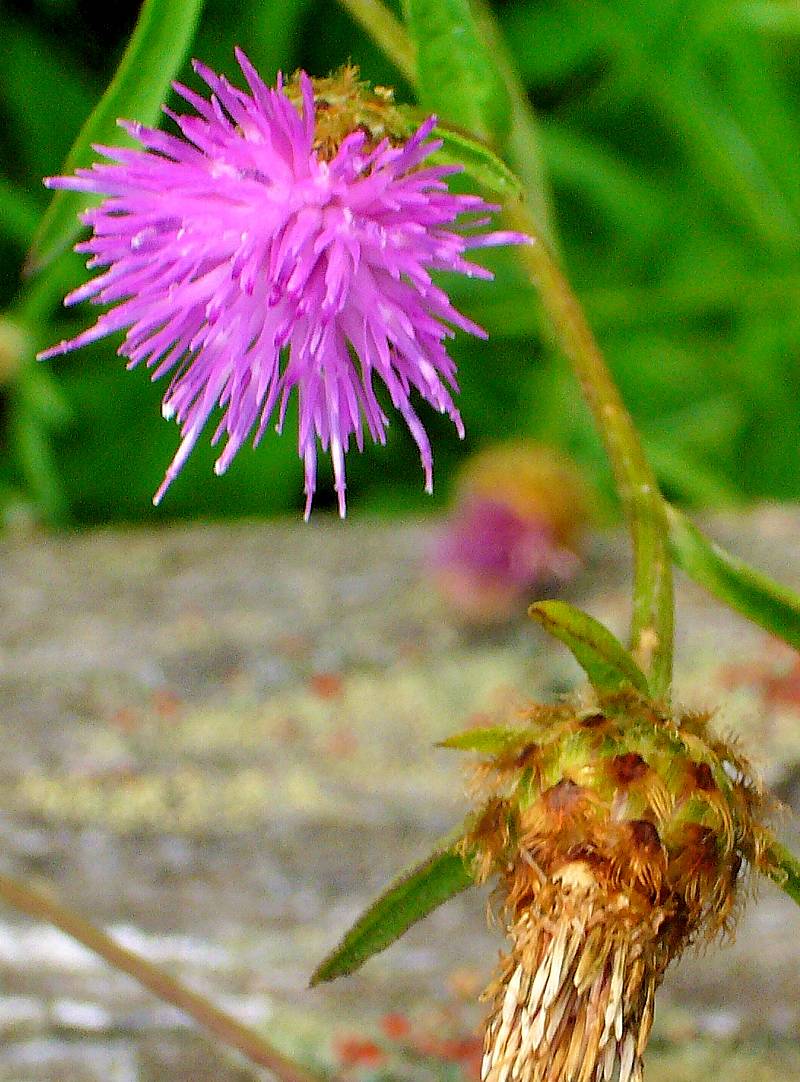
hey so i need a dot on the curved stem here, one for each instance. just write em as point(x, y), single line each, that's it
point(211, 1018)
point(652, 618)
point(387, 32)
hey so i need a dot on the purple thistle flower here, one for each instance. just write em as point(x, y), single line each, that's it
point(245, 263)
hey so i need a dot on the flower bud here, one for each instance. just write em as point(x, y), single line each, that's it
point(520, 512)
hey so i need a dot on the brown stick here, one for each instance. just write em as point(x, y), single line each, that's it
point(211, 1018)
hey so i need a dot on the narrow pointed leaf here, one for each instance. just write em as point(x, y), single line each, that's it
point(409, 899)
point(20, 213)
point(479, 161)
point(155, 52)
point(751, 593)
point(605, 660)
point(491, 740)
point(457, 75)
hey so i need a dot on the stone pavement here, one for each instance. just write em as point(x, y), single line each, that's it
point(218, 744)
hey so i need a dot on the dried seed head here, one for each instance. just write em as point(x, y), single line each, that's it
point(618, 836)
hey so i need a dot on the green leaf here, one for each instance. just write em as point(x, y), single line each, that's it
point(750, 592)
point(458, 77)
point(36, 462)
point(409, 899)
point(769, 16)
point(20, 213)
point(157, 48)
point(783, 868)
point(607, 663)
point(490, 740)
point(479, 162)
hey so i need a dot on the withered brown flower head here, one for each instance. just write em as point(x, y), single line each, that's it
point(618, 835)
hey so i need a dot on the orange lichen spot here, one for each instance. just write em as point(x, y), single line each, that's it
point(166, 703)
point(126, 719)
point(326, 685)
point(352, 1051)
point(396, 1026)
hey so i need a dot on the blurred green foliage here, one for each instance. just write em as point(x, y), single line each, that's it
point(671, 134)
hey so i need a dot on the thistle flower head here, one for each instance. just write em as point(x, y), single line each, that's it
point(283, 240)
point(618, 836)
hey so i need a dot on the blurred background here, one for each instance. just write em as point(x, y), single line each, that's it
point(670, 130)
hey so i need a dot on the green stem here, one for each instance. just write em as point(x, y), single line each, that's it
point(211, 1018)
point(387, 32)
point(784, 869)
point(651, 624)
point(524, 144)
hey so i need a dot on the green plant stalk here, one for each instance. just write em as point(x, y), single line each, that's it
point(784, 869)
point(211, 1018)
point(652, 618)
point(387, 32)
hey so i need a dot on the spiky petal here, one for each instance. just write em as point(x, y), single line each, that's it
point(245, 262)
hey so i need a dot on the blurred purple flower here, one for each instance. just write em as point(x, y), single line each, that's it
point(513, 549)
point(519, 514)
point(244, 262)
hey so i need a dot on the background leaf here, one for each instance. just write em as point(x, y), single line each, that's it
point(457, 76)
point(157, 48)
